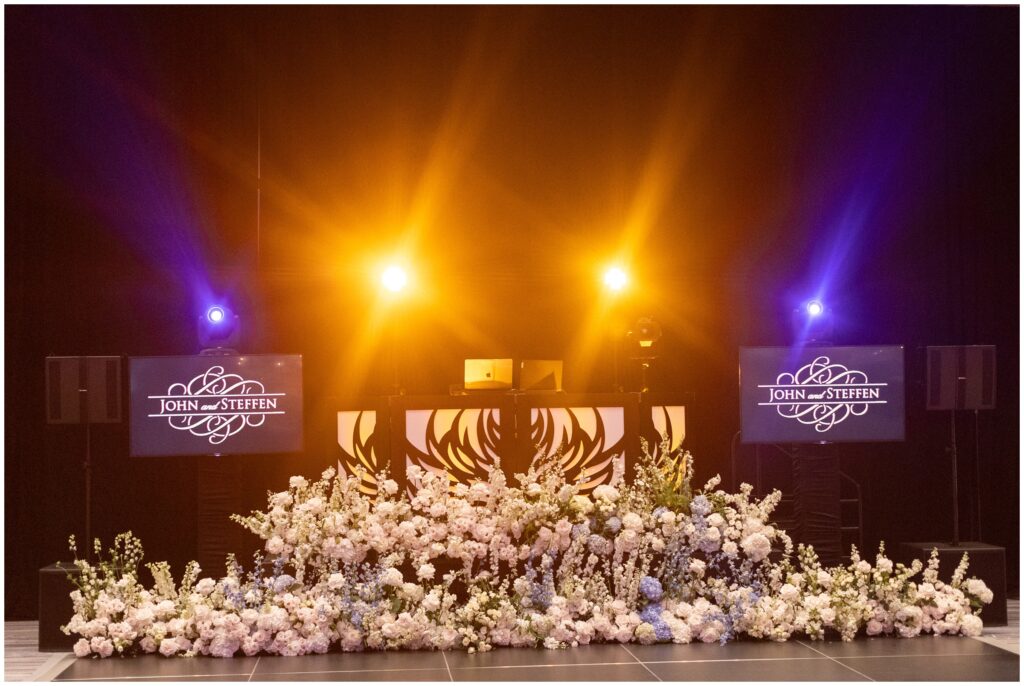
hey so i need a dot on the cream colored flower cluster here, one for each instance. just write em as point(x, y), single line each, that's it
point(448, 566)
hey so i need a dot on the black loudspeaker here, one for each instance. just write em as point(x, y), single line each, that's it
point(83, 390)
point(55, 607)
point(961, 377)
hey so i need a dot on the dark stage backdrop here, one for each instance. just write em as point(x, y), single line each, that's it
point(741, 158)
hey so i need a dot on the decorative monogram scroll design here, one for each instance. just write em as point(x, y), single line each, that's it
point(823, 394)
point(463, 443)
point(591, 440)
point(357, 438)
point(216, 405)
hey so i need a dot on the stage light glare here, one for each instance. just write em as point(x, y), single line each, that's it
point(215, 314)
point(394, 278)
point(815, 308)
point(615, 279)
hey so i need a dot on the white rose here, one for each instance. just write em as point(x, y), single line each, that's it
point(633, 522)
point(168, 647)
point(978, 589)
point(431, 602)
point(756, 547)
point(582, 504)
point(970, 625)
point(606, 493)
point(275, 545)
point(789, 593)
point(206, 585)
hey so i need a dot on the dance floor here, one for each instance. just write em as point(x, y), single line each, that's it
point(867, 659)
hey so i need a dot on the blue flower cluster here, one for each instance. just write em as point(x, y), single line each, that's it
point(700, 505)
point(651, 588)
point(652, 615)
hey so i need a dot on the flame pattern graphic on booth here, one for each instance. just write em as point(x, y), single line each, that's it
point(357, 438)
point(216, 405)
point(591, 440)
point(823, 394)
point(463, 442)
point(460, 442)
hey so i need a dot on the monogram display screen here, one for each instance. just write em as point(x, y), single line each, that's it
point(826, 394)
point(215, 405)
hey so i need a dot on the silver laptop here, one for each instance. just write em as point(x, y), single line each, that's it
point(488, 375)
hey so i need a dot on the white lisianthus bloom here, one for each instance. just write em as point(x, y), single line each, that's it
point(789, 593)
point(297, 482)
point(335, 581)
point(863, 567)
point(534, 490)
point(824, 579)
point(883, 564)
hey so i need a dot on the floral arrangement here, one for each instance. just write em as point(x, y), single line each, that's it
point(492, 564)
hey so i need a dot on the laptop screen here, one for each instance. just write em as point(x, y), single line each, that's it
point(541, 375)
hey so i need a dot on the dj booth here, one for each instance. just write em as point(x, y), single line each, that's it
point(468, 435)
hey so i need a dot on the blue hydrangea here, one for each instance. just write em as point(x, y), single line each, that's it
point(613, 524)
point(700, 505)
point(651, 588)
point(661, 631)
point(283, 583)
point(651, 614)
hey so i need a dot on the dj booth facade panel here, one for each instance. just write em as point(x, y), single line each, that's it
point(466, 436)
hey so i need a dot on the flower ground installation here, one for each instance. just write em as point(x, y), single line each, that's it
point(492, 564)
